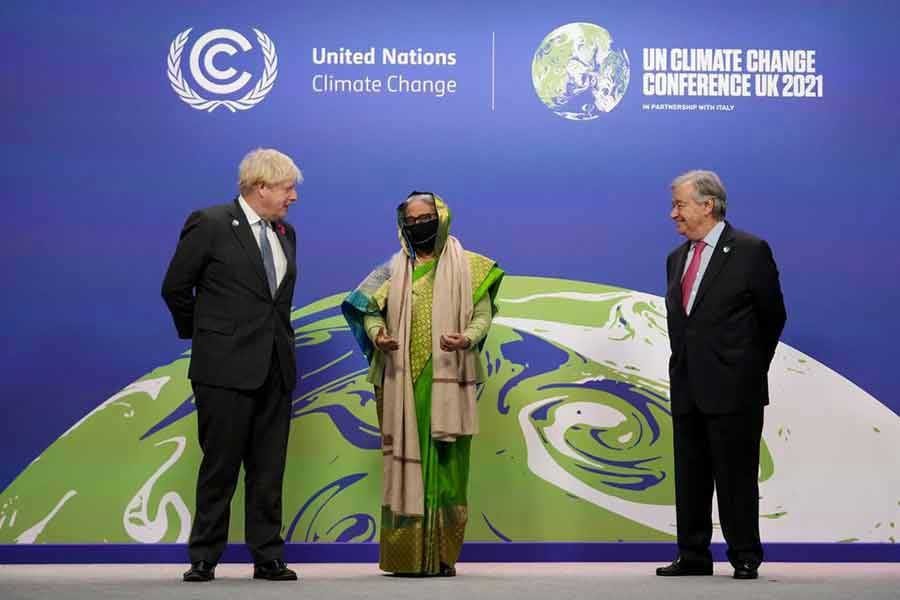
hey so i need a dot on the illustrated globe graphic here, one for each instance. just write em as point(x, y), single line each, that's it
point(577, 73)
point(575, 424)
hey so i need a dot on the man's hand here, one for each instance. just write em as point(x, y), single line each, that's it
point(386, 343)
point(451, 342)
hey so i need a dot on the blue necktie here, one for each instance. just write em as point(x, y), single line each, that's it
point(268, 260)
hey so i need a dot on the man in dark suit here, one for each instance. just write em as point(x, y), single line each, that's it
point(725, 315)
point(229, 288)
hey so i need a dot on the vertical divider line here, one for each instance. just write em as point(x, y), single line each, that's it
point(493, 68)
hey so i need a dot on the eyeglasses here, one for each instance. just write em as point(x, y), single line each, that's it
point(427, 218)
point(420, 219)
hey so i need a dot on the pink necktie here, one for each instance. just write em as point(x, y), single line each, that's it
point(687, 284)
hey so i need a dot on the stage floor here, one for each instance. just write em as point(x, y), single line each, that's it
point(476, 581)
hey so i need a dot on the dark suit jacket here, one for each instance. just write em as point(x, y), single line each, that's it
point(721, 352)
point(217, 292)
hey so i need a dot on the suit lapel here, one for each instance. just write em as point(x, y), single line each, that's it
point(716, 262)
point(674, 290)
point(248, 242)
point(289, 255)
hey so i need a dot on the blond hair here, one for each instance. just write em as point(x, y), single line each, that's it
point(267, 166)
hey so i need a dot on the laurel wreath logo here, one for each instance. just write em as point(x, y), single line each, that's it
point(249, 100)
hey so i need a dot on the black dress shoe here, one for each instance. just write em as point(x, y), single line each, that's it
point(745, 570)
point(681, 567)
point(447, 571)
point(200, 571)
point(274, 570)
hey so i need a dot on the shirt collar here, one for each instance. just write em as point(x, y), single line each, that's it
point(252, 217)
point(712, 238)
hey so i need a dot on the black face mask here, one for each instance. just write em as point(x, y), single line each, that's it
point(422, 235)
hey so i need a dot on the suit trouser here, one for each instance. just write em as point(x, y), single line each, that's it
point(249, 427)
point(718, 452)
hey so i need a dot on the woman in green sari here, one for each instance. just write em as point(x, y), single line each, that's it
point(421, 319)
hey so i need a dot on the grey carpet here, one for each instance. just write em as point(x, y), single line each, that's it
point(476, 581)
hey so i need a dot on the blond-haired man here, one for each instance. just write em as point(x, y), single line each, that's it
point(229, 288)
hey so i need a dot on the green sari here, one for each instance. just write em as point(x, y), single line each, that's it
point(428, 544)
point(422, 545)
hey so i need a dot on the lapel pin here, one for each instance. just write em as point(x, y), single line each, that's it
point(235, 223)
point(726, 249)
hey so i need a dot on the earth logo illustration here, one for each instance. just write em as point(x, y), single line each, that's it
point(578, 74)
point(575, 442)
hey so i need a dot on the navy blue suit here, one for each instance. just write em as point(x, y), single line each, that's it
point(242, 370)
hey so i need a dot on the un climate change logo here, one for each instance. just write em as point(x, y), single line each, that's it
point(577, 73)
point(214, 80)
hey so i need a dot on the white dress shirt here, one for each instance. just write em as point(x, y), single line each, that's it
point(255, 223)
point(711, 239)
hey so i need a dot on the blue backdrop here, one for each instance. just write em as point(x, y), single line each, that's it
point(102, 162)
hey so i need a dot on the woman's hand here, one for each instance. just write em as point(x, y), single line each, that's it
point(386, 343)
point(451, 342)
